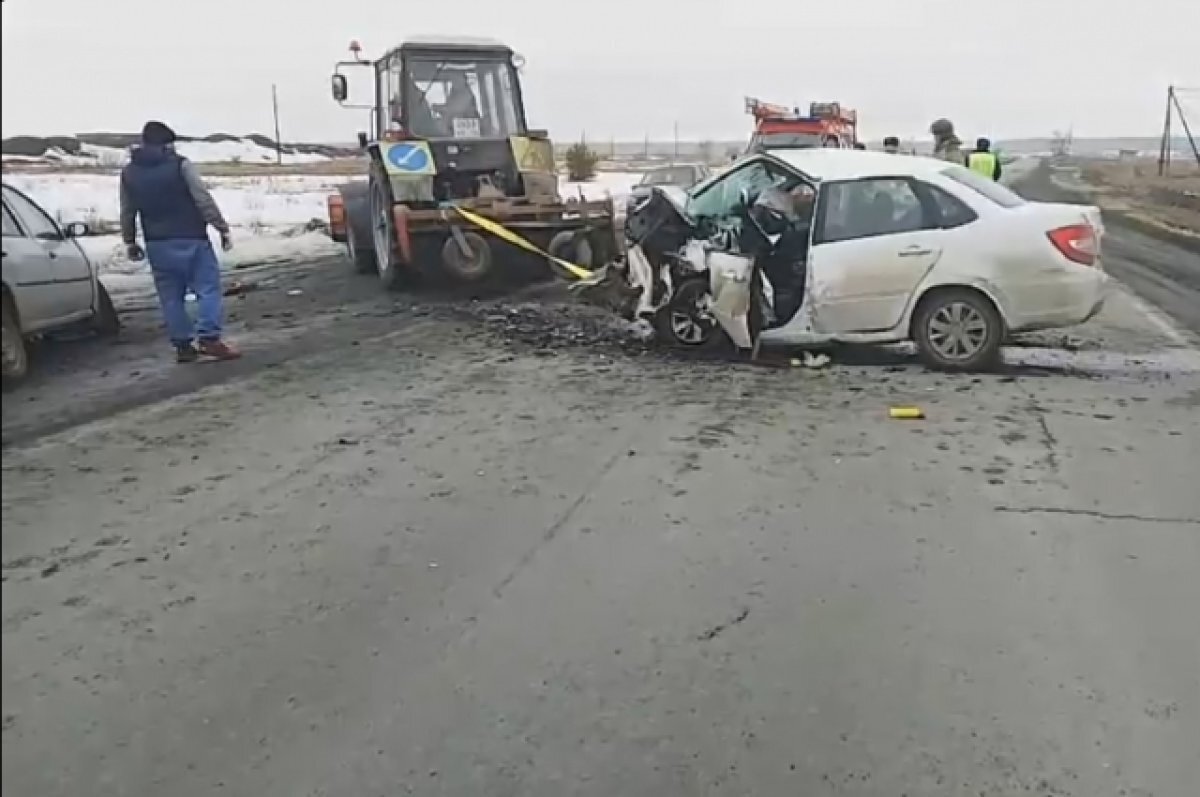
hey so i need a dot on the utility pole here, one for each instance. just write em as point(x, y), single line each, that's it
point(1187, 130)
point(275, 111)
point(675, 155)
point(1164, 147)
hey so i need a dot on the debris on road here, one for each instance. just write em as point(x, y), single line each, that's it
point(906, 413)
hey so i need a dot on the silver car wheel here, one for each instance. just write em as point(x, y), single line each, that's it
point(957, 331)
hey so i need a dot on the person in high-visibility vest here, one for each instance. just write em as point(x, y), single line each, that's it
point(983, 160)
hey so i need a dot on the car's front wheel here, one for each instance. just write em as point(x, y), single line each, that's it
point(686, 322)
point(105, 321)
point(15, 355)
point(958, 330)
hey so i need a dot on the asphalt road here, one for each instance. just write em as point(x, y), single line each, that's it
point(1160, 272)
point(493, 550)
point(410, 545)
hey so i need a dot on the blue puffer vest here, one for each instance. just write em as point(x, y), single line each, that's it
point(154, 182)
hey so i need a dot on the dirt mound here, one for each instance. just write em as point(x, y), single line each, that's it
point(39, 146)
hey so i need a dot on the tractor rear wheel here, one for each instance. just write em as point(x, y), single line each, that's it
point(362, 257)
point(383, 229)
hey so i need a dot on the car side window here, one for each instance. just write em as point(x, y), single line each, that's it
point(35, 221)
point(868, 208)
point(952, 210)
point(719, 198)
point(11, 228)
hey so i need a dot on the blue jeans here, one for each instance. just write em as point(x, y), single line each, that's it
point(179, 265)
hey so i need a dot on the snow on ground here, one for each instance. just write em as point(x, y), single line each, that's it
point(122, 276)
point(270, 215)
point(255, 202)
point(616, 184)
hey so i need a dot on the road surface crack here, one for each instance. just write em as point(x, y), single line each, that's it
point(719, 629)
point(559, 523)
point(1049, 441)
point(1060, 510)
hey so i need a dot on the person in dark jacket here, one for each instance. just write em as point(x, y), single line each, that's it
point(891, 144)
point(166, 191)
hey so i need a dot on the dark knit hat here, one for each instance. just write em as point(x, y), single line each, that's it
point(157, 134)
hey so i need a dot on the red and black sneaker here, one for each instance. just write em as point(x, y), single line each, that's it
point(218, 350)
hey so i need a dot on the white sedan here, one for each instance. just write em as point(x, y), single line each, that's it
point(883, 249)
point(49, 284)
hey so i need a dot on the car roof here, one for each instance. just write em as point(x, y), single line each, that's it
point(853, 164)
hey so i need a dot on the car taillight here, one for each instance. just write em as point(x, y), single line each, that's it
point(1077, 242)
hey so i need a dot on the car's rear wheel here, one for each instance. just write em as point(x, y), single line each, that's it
point(15, 354)
point(958, 330)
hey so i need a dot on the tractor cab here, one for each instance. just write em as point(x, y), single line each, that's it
point(445, 90)
point(458, 101)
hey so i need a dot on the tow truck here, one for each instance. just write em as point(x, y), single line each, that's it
point(453, 171)
point(827, 124)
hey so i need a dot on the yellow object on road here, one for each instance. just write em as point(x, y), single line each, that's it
point(579, 272)
point(906, 413)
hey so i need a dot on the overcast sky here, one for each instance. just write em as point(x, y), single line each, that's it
point(623, 68)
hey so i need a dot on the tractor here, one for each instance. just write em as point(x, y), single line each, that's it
point(455, 176)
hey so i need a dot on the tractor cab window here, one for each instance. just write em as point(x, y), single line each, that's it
point(461, 99)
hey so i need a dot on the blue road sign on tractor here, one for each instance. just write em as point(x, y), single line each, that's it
point(408, 157)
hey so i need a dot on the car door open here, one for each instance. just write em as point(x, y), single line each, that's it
point(874, 242)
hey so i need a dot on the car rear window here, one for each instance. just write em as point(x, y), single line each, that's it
point(991, 189)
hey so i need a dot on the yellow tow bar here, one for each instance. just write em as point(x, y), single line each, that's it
point(577, 271)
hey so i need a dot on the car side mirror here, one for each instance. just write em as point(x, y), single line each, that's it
point(339, 88)
point(76, 229)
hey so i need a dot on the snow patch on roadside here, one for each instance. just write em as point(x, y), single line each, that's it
point(121, 275)
point(272, 216)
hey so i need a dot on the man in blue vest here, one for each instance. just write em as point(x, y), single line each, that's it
point(983, 160)
point(166, 191)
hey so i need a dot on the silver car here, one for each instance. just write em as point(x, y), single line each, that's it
point(49, 283)
point(679, 177)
